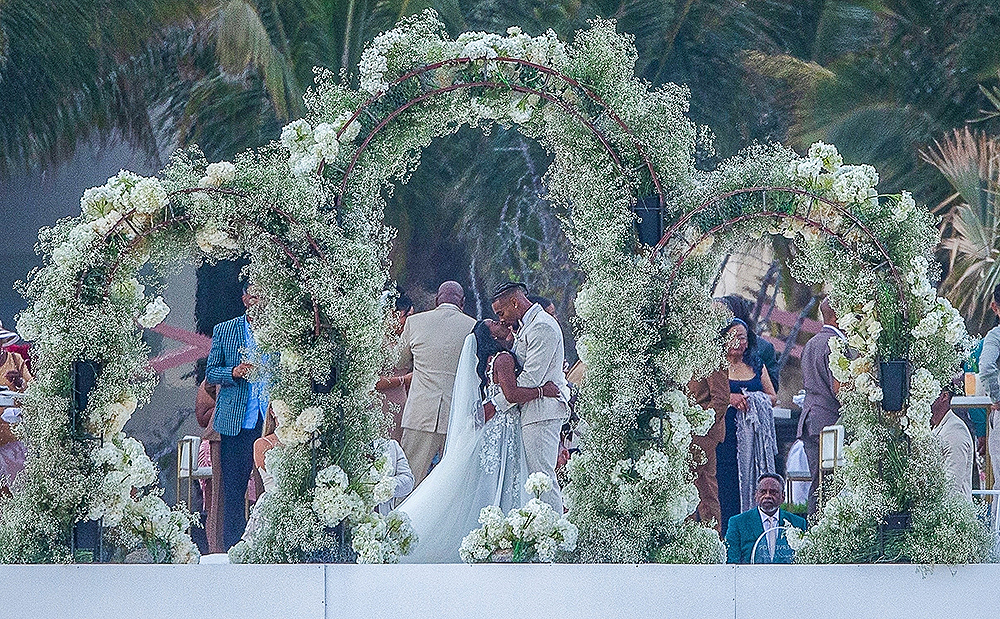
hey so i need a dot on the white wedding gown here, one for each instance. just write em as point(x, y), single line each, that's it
point(483, 464)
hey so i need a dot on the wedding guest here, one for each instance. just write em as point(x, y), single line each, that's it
point(267, 442)
point(431, 344)
point(820, 407)
point(548, 306)
point(956, 442)
point(746, 531)
point(392, 389)
point(990, 375)
point(399, 471)
point(742, 308)
point(747, 375)
point(242, 373)
point(14, 376)
point(711, 393)
point(210, 451)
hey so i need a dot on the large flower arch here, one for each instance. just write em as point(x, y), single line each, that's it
point(308, 212)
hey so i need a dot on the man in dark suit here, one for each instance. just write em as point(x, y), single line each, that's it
point(747, 530)
point(820, 407)
point(241, 371)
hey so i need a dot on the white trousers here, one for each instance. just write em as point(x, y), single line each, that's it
point(541, 450)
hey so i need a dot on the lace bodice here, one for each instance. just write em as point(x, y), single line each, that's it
point(493, 390)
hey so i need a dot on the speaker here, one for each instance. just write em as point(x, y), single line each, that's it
point(649, 224)
point(84, 375)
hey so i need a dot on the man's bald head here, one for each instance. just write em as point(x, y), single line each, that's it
point(450, 292)
point(829, 316)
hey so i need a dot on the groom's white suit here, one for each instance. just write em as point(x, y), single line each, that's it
point(539, 348)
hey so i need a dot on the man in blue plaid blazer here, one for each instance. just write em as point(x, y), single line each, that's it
point(240, 408)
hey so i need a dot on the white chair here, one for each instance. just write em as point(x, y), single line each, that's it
point(187, 465)
point(831, 453)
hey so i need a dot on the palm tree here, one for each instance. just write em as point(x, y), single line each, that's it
point(970, 161)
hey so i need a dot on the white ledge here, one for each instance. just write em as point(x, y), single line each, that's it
point(442, 591)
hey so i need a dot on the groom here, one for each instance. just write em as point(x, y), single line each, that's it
point(538, 347)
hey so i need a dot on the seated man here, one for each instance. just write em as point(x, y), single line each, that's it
point(956, 443)
point(747, 528)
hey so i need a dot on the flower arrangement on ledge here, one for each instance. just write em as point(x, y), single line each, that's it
point(533, 533)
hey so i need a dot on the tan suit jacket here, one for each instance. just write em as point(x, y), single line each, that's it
point(539, 349)
point(431, 345)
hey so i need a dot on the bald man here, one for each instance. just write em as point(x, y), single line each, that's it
point(431, 346)
point(820, 407)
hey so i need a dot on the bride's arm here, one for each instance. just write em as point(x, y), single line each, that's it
point(503, 375)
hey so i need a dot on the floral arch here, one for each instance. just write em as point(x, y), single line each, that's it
point(308, 212)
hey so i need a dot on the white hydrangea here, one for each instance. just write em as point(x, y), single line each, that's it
point(384, 489)
point(156, 310)
point(653, 465)
point(98, 201)
point(297, 136)
point(211, 238)
point(538, 484)
point(326, 147)
point(147, 197)
point(827, 155)
point(218, 174)
point(852, 184)
point(309, 419)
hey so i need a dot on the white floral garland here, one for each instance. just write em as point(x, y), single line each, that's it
point(313, 247)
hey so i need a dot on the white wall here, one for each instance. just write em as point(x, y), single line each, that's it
point(550, 591)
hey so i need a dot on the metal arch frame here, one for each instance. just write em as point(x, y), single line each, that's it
point(493, 84)
point(838, 207)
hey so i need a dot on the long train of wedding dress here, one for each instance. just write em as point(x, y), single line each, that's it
point(483, 464)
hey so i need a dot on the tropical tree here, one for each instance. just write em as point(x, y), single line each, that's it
point(970, 161)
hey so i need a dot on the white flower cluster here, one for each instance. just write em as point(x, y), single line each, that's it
point(156, 310)
point(863, 330)
point(116, 415)
point(383, 540)
point(334, 501)
point(942, 318)
point(924, 389)
point(125, 196)
point(920, 285)
point(125, 468)
point(298, 430)
point(823, 171)
point(307, 146)
point(532, 533)
point(163, 531)
point(214, 241)
point(477, 46)
point(652, 475)
point(218, 174)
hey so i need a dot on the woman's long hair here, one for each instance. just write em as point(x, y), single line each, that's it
point(486, 347)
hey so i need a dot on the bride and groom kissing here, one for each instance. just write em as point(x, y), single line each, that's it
point(508, 405)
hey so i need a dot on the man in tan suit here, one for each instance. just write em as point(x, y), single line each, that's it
point(538, 346)
point(431, 345)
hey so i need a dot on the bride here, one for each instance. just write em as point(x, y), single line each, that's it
point(483, 462)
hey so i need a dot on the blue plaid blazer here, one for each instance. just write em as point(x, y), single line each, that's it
point(231, 404)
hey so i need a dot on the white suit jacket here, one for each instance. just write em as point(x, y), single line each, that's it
point(539, 348)
point(401, 473)
point(431, 344)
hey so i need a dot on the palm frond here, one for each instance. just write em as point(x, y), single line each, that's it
point(243, 42)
